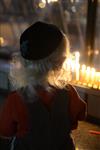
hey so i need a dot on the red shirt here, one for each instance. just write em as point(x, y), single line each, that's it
point(15, 111)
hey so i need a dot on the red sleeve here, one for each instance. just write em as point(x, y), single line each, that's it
point(77, 107)
point(13, 116)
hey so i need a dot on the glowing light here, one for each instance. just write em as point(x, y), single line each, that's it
point(92, 77)
point(42, 5)
point(89, 52)
point(96, 52)
point(82, 74)
point(48, 1)
point(1, 41)
point(77, 65)
point(43, 1)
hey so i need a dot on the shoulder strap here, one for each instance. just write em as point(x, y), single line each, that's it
point(60, 116)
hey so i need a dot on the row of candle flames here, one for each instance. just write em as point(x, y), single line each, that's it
point(83, 75)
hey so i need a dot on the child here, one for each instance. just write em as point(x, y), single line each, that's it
point(42, 114)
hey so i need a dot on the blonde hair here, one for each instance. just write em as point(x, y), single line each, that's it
point(44, 72)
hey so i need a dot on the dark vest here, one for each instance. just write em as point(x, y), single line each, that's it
point(50, 130)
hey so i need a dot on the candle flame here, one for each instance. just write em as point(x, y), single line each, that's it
point(82, 74)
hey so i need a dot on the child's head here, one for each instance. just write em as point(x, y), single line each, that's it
point(46, 47)
point(41, 40)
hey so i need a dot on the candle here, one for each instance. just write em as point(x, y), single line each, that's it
point(77, 65)
point(82, 74)
point(97, 80)
point(87, 74)
point(92, 77)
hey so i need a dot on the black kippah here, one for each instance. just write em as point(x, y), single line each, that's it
point(40, 40)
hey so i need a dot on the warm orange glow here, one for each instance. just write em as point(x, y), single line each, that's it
point(1, 41)
point(82, 74)
point(96, 52)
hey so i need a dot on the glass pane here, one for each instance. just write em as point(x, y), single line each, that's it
point(97, 40)
point(69, 15)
